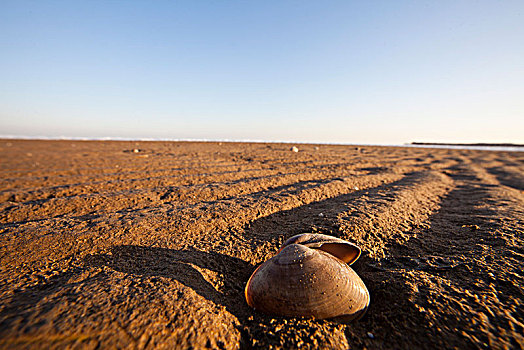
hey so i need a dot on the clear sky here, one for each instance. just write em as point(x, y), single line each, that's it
point(385, 72)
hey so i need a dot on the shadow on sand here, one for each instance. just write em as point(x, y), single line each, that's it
point(186, 267)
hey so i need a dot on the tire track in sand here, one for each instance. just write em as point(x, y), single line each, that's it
point(466, 255)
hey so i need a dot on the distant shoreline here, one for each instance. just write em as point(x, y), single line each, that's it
point(312, 142)
point(467, 144)
point(511, 147)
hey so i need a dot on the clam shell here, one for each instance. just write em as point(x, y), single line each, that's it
point(303, 282)
point(344, 250)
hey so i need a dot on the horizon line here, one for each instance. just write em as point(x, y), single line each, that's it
point(413, 144)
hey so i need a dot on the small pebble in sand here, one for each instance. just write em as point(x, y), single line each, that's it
point(136, 150)
point(321, 215)
point(294, 149)
point(370, 335)
point(355, 188)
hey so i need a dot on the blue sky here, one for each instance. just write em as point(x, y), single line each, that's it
point(383, 72)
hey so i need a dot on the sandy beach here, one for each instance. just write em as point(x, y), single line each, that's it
point(108, 244)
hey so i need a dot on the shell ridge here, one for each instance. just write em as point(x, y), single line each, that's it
point(342, 249)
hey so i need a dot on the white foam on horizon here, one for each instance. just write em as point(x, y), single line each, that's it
point(77, 138)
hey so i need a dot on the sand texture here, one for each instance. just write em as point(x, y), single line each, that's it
point(104, 247)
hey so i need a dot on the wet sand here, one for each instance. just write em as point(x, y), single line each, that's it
point(150, 244)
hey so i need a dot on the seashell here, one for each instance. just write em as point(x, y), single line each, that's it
point(309, 277)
